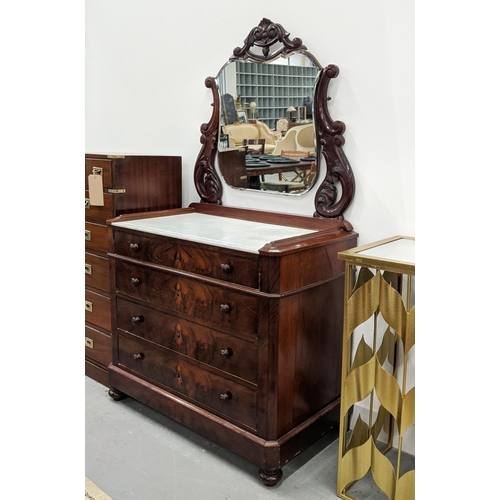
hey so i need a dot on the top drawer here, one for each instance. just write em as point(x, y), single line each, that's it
point(234, 267)
point(99, 167)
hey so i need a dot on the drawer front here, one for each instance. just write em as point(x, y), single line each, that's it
point(227, 266)
point(104, 212)
point(209, 303)
point(223, 351)
point(97, 346)
point(96, 237)
point(177, 373)
point(98, 309)
point(102, 168)
point(97, 272)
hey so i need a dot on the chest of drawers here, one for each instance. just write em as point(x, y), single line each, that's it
point(129, 184)
point(229, 321)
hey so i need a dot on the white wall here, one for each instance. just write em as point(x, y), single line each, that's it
point(146, 63)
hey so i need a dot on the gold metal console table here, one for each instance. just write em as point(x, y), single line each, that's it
point(379, 333)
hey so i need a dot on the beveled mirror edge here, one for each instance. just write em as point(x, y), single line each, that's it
point(329, 133)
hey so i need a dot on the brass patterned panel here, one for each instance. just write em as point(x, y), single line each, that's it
point(375, 369)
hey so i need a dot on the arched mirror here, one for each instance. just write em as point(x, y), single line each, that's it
point(270, 128)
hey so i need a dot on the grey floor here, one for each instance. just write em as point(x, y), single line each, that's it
point(132, 451)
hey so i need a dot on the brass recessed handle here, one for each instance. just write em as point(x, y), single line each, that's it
point(88, 268)
point(88, 235)
point(96, 170)
point(87, 203)
point(88, 306)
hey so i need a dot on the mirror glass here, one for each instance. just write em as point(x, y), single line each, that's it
point(267, 134)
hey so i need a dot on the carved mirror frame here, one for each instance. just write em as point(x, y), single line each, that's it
point(329, 134)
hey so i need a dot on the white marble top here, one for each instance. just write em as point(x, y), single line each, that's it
point(402, 250)
point(236, 234)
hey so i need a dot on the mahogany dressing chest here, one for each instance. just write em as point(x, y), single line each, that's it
point(229, 321)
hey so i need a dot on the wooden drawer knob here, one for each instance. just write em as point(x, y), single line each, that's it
point(134, 247)
point(137, 319)
point(226, 268)
point(138, 356)
point(135, 281)
point(226, 353)
point(225, 308)
point(226, 396)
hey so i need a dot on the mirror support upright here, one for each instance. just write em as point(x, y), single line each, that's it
point(206, 179)
point(330, 142)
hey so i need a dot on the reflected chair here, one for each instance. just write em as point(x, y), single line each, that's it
point(305, 138)
point(301, 137)
point(254, 146)
point(284, 186)
point(282, 126)
point(288, 142)
point(295, 154)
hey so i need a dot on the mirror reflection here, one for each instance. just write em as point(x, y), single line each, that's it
point(267, 138)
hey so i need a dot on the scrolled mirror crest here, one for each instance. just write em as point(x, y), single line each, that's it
point(264, 36)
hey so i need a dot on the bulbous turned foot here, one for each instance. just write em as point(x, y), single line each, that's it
point(116, 394)
point(270, 477)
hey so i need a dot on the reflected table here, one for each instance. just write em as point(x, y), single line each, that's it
point(254, 173)
point(239, 174)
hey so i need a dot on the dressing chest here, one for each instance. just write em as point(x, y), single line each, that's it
point(229, 321)
point(129, 184)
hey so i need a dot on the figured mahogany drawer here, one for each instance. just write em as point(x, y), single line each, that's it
point(223, 351)
point(104, 212)
point(228, 266)
point(96, 237)
point(216, 305)
point(176, 372)
point(97, 346)
point(97, 309)
point(97, 272)
point(100, 167)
